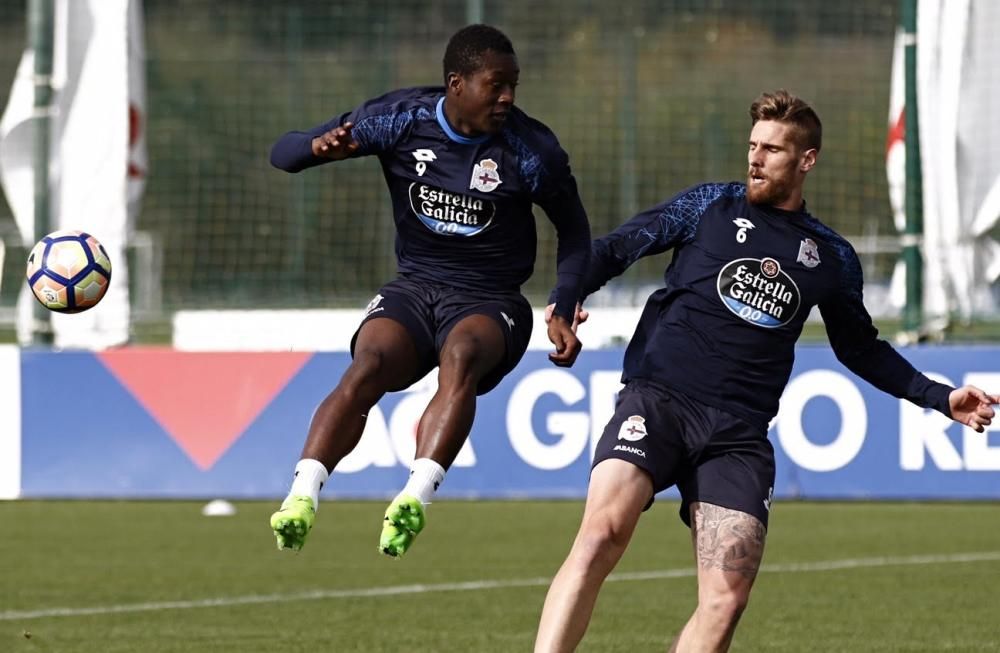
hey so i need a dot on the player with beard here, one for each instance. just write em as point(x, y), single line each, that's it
point(707, 364)
point(464, 167)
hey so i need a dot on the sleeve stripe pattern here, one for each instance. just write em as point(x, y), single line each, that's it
point(380, 132)
point(679, 218)
point(531, 169)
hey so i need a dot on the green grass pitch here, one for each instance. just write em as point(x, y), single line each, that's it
point(153, 577)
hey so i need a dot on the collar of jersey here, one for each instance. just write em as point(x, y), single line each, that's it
point(454, 135)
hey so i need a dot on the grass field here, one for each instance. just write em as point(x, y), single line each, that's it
point(153, 577)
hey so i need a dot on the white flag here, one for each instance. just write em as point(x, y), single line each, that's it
point(91, 152)
point(895, 161)
point(959, 155)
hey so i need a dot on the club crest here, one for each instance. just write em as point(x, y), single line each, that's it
point(632, 429)
point(808, 253)
point(485, 176)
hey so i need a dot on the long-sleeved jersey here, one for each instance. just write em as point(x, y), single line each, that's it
point(742, 281)
point(463, 206)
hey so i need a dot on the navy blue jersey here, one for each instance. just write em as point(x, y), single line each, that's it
point(742, 281)
point(463, 206)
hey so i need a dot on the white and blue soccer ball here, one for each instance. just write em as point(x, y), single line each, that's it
point(68, 271)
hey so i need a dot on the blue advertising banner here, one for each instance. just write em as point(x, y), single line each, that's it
point(161, 423)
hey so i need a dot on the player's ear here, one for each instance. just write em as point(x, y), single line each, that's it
point(808, 159)
point(455, 83)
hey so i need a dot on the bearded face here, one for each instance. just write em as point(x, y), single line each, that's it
point(772, 187)
point(777, 166)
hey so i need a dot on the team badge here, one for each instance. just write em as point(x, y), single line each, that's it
point(634, 428)
point(485, 176)
point(808, 253)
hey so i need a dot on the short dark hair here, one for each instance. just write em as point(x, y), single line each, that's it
point(782, 106)
point(464, 54)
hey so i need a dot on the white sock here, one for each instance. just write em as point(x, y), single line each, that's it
point(425, 477)
point(310, 475)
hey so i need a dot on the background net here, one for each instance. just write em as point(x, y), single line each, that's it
point(647, 97)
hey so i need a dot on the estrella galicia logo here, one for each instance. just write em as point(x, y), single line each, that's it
point(450, 214)
point(759, 291)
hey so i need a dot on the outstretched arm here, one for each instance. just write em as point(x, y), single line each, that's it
point(972, 407)
point(856, 343)
point(297, 150)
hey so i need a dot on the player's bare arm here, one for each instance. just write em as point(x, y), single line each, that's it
point(336, 144)
point(972, 407)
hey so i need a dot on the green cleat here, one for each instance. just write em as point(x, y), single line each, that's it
point(404, 518)
point(293, 522)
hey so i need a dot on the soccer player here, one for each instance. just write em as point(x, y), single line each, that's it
point(707, 364)
point(463, 167)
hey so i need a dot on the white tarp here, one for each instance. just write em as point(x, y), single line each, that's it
point(958, 89)
point(97, 157)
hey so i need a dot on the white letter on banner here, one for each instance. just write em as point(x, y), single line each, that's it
point(375, 447)
point(923, 429)
point(979, 455)
point(571, 426)
point(853, 421)
point(604, 389)
point(405, 420)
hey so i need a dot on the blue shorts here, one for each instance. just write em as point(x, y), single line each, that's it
point(429, 311)
point(709, 454)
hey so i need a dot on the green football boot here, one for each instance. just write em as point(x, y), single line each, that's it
point(293, 522)
point(404, 518)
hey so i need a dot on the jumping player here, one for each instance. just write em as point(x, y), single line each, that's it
point(463, 167)
point(709, 359)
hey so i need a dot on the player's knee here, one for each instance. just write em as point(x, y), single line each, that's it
point(466, 359)
point(600, 543)
point(724, 606)
point(369, 366)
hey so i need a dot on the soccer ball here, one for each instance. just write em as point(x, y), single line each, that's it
point(68, 271)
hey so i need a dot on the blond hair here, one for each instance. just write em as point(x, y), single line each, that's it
point(782, 106)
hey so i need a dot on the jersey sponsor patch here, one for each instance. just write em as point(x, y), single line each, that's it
point(450, 214)
point(633, 429)
point(759, 291)
point(632, 450)
point(485, 176)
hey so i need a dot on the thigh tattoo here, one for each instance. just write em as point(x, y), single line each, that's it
point(728, 540)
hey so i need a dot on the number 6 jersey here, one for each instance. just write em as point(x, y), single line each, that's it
point(742, 281)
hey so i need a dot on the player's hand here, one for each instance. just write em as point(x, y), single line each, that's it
point(563, 336)
point(972, 407)
point(335, 144)
point(579, 318)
